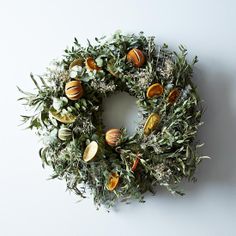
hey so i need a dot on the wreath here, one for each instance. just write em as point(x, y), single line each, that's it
point(110, 164)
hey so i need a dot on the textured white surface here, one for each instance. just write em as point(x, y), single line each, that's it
point(34, 32)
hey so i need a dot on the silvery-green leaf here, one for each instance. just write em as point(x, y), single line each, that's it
point(69, 109)
point(87, 141)
point(53, 136)
point(85, 78)
point(64, 100)
point(73, 74)
point(169, 86)
point(57, 103)
point(95, 137)
point(99, 61)
point(75, 68)
point(53, 120)
point(77, 105)
point(79, 69)
point(64, 111)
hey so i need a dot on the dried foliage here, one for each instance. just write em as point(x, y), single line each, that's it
point(167, 156)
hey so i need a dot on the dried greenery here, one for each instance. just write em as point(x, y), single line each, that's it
point(167, 156)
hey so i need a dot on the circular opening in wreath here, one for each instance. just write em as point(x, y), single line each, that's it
point(121, 111)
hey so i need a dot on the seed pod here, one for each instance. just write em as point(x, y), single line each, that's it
point(64, 134)
point(112, 137)
point(74, 90)
point(136, 57)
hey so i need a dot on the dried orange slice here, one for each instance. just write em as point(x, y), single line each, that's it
point(91, 64)
point(76, 62)
point(112, 137)
point(155, 90)
point(90, 151)
point(67, 118)
point(112, 181)
point(152, 122)
point(173, 96)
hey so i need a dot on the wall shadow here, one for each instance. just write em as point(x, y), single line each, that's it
point(216, 88)
point(121, 111)
point(219, 131)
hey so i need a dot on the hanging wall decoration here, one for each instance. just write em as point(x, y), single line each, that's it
point(109, 164)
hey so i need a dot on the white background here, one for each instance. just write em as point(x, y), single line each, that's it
point(33, 33)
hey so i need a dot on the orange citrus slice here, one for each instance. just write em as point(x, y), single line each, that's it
point(91, 64)
point(112, 181)
point(152, 122)
point(173, 95)
point(155, 90)
point(90, 151)
point(67, 118)
point(112, 137)
point(76, 62)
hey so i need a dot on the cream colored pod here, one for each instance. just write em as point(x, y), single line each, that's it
point(64, 134)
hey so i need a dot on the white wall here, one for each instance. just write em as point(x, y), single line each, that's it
point(33, 33)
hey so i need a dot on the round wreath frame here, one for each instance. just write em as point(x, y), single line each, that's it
point(134, 164)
